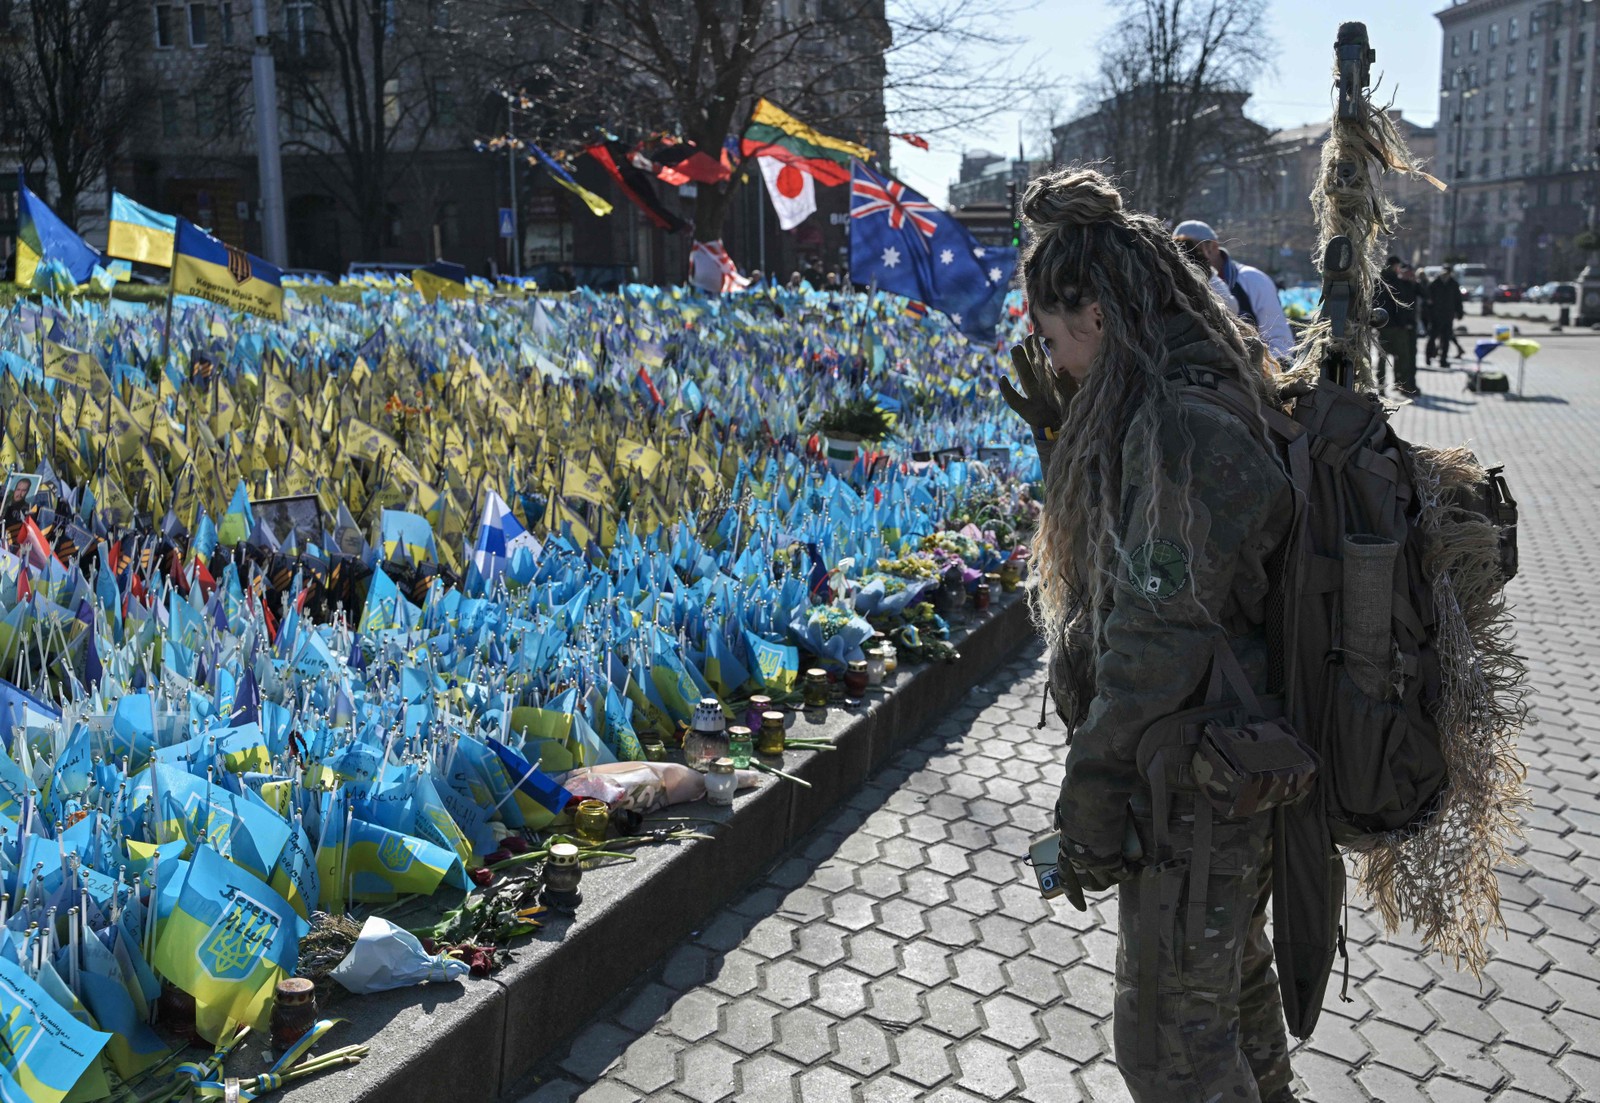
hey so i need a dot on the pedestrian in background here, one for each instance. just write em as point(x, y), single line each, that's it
point(1441, 311)
point(1397, 295)
point(1252, 289)
point(1161, 511)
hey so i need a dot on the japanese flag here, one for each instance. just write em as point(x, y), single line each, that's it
point(793, 191)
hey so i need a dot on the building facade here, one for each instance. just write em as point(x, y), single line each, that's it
point(1519, 122)
point(379, 165)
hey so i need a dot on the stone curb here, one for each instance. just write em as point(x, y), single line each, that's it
point(479, 1039)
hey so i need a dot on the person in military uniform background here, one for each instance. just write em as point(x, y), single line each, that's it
point(1161, 511)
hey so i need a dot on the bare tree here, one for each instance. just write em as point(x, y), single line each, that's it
point(695, 68)
point(366, 83)
point(65, 92)
point(1167, 103)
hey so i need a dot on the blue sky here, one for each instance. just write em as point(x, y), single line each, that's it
point(1062, 36)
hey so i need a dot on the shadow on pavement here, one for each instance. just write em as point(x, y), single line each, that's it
point(660, 1011)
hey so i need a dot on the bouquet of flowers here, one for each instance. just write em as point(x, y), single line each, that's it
point(887, 594)
point(831, 633)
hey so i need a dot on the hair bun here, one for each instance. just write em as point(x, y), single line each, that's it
point(1070, 197)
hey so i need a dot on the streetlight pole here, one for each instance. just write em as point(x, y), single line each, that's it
point(269, 163)
point(511, 171)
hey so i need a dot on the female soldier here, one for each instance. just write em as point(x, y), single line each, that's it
point(1160, 511)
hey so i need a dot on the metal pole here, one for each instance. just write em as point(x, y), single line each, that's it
point(269, 163)
point(761, 223)
point(511, 165)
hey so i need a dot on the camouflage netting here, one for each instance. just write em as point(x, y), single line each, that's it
point(1441, 880)
point(1348, 201)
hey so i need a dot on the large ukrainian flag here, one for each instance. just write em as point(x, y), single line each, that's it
point(204, 267)
point(138, 233)
point(42, 236)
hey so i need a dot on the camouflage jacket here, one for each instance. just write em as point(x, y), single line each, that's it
point(1170, 599)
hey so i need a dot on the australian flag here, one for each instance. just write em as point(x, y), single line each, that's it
point(904, 244)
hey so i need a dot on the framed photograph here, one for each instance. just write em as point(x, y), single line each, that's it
point(299, 516)
point(990, 454)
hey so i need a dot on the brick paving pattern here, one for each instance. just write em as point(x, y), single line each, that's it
point(900, 955)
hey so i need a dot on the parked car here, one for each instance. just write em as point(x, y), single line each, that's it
point(1562, 293)
point(1506, 293)
point(1533, 293)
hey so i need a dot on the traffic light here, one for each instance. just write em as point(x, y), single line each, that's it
point(1016, 218)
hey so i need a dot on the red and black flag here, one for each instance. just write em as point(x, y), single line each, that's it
point(613, 157)
point(679, 163)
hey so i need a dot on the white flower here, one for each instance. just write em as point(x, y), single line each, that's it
point(891, 257)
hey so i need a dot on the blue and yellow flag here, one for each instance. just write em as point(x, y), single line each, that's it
point(43, 1048)
point(384, 865)
point(42, 236)
point(597, 206)
point(138, 233)
point(777, 664)
point(204, 267)
point(228, 942)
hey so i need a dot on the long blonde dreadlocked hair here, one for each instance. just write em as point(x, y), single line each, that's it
point(1085, 248)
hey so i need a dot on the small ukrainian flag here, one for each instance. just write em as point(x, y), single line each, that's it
point(206, 268)
point(140, 234)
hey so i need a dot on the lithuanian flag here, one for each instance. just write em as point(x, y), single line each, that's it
point(204, 267)
point(138, 233)
point(773, 132)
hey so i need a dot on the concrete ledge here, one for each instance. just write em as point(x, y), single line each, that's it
point(479, 1039)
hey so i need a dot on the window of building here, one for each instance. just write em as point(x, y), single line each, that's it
point(169, 114)
point(392, 226)
point(1505, 135)
point(225, 21)
point(1472, 40)
point(164, 28)
point(1533, 93)
point(1583, 45)
point(300, 20)
point(439, 14)
point(1533, 21)
point(1555, 49)
point(1488, 105)
point(1550, 124)
point(1455, 45)
point(1555, 87)
point(5, 15)
point(1505, 201)
point(1494, 35)
point(1483, 168)
point(1511, 65)
point(1505, 165)
point(299, 111)
point(1511, 29)
point(1489, 71)
point(391, 102)
point(1566, 191)
point(1511, 99)
point(205, 115)
point(1472, 76)
point(1533, 60)
point(444, 103)
point(448, 219)
point(197, 25)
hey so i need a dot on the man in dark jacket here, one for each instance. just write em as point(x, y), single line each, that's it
point(1440, 310)
point(1398, 297)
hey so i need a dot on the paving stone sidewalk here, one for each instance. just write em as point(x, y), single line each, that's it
point(897, 955)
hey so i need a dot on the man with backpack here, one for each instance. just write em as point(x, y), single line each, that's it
point(1253, 290)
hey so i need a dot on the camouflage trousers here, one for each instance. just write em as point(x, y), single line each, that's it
point(1218, 1033)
